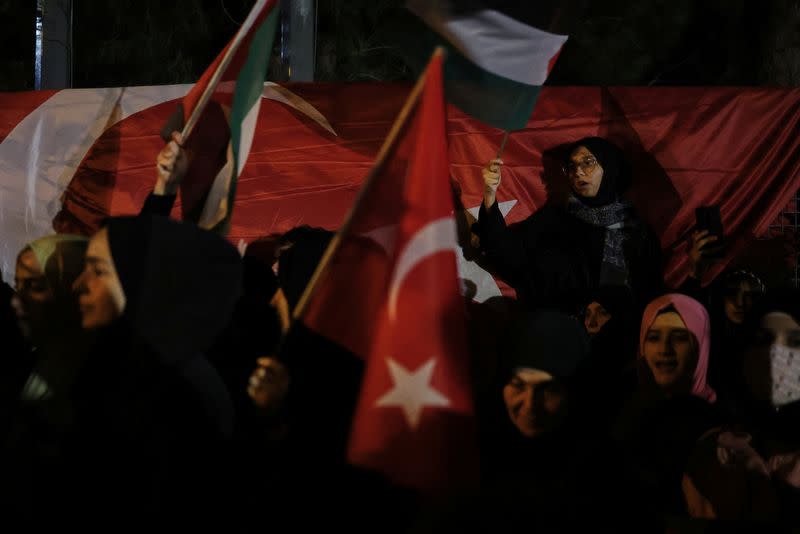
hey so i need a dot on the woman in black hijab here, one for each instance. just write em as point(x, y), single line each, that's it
point(153, 418)
point(542, 463)
point(612, 323)
point(595, 240)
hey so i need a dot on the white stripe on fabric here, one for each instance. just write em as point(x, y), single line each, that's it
point(248, 132)
point(41, 154)
point(273, 91)
point(494, 41)
point(216, 207)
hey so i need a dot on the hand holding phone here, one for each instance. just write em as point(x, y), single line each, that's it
point(709, 221)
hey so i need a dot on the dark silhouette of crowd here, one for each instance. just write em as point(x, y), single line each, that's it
point(153, 380)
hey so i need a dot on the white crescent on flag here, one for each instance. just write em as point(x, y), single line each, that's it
point(39, 157)
point(436, 236)
point(41, 154)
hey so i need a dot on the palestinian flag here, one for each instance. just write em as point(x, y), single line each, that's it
point(220, 114)
point(497, 60)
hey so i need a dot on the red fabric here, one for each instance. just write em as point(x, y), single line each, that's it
point(16, 106)
point(427, 327)
point(116, 175)
point(688, 147)
point(211, 134)
point(207, 147)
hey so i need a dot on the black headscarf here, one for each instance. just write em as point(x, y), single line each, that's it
point(618, 337)
point(546, 340)
point(616, 173)
point(147, 394)
point(760, 416)
point(774, 301)
point(617, 300)
point(180, 282)
point(257, 321)
point(297, 264)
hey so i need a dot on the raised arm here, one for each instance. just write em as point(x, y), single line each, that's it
point(171, 166)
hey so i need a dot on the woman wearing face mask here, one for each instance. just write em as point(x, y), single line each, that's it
point(154, 417)
point(594, 240)
point(768, 390)
point(751, 469)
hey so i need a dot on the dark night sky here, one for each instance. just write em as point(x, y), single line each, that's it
point(612, 42)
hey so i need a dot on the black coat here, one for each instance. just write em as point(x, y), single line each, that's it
point(150, 443)
point(150, 446)
point(552, 258)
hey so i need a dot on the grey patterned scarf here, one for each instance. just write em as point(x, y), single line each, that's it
point(614, 217)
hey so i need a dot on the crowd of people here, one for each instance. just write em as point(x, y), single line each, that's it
point(152, 379)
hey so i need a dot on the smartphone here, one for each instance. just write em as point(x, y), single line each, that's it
point(708, 218)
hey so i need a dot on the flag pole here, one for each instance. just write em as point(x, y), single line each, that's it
point(502, 144)
point(231, 50)
point(380, 160)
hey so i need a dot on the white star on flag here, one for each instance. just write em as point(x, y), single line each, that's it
point(485, 285)
point(504, 206)
point(412, 391)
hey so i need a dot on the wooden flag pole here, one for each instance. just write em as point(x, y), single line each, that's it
point(502, 144)
point(380, 161)
point(241, 33)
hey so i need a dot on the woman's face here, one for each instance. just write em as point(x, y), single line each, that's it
point(584, 172)
point(33, 295)
point(536, 403)
point(738, 300)
point(595, 317)
point(778, 330)
point(101, 297)
point(670, 351)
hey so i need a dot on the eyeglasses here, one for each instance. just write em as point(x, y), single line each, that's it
point(586, 166)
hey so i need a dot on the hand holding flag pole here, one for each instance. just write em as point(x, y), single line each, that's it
point(491, 174)
point(217, 119)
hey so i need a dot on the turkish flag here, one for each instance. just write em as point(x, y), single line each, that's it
point(390, 295)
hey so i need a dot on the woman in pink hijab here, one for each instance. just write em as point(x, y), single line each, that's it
point(674, 343)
